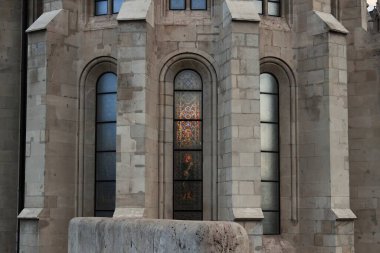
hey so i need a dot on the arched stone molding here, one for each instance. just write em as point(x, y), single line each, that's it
point(288, 133)
point(85, 191)
point(173, 65)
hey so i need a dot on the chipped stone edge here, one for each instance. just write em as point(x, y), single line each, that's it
point(142, 10)
point(133, 213)
point(331, 22)
point(243, 11)
point(30, 214)
point(343, 214)
point(247, 214)
point(44, 20)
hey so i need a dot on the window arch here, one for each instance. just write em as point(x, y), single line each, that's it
point(105, 147)
point(270, 173)
point(188, 146)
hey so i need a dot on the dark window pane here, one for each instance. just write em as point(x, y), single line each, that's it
point(269, 196)
point(199, 4)
point(269, 108)
point(269, 137)
point(188, 165)
point(271, 223)
point(107, 83)
point(187, 196)
point(259, 6)
point(104, 213)
point(188, 135)
point(106, 166)
point(269, 166)
point(188, 216)
point(268, 84)
point(274, 9)
point(188, 105)
point(105, 196)
point(177, 4)
point(106, 137)
point(101, 7)
point(188, 80)
point(117, 5)
point(106, 107)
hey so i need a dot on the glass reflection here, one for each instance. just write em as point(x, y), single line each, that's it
point(177, 4)
point(199, 4)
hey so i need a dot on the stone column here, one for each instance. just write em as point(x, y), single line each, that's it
point(51, 134)
point(326, 221)
point(137, 129)
point(239, 174)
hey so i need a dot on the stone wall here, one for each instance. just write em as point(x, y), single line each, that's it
point(10, 76)
point(88, 235)
point(364, 128)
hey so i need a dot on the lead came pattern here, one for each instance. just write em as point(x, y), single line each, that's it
point(187, 164)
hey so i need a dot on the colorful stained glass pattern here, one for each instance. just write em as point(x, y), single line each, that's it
point(188, 80)
point(188, 105)
point(187, 196)
point(188, 135)
point(187, 165)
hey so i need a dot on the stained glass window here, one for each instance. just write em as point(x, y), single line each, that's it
point(188, 171)
point(105, 176)
point(270, 181)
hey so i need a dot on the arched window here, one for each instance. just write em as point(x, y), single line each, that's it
point(105, 167)
point(270, 173)
point(188, 147)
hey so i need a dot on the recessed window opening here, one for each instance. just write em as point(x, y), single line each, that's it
point(270, 173)
point(107, 7)
point(105, 147)
point(178, 5)
point(269, 7)
point(188, 146)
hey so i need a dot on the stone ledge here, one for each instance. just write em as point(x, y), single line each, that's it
point(129, 213)
point(344, 214)
point(243, 11)
point(136, 11)
point(108, 235)
point(321, 22)
point(30, 214)
point(56, 20)
point(247, 214)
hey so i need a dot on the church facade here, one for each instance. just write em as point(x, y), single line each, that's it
point(265, 113)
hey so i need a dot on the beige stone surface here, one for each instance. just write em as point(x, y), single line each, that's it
point(145, 235)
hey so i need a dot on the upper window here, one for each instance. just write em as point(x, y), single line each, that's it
point(269, 7)
point(270, 173)
point(106, 7)
point(194, 4)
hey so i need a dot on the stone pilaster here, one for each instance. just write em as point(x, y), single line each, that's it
point(239, 120)
point(326, 221)
point(51, 134)
point(137, 136)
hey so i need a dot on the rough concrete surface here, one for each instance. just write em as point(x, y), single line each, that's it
point(148, 235)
